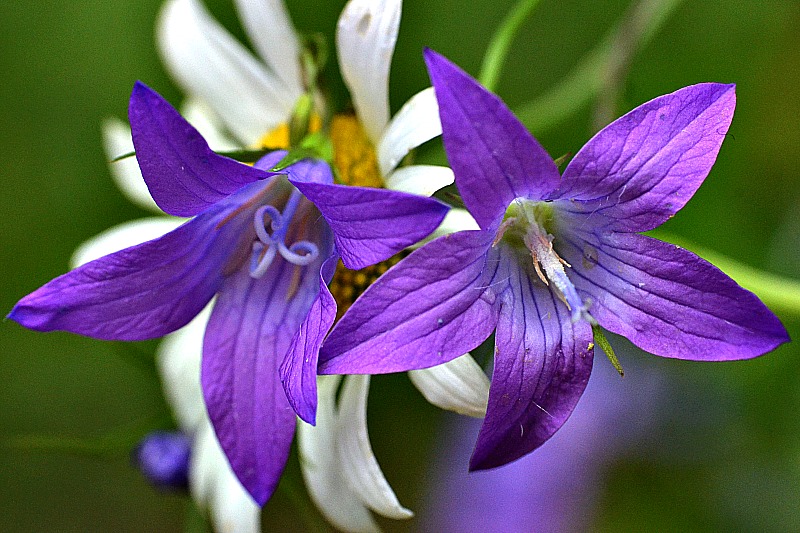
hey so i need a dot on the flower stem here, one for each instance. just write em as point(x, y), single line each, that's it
point(779, 293)
point(589, 76)
point(500, 44)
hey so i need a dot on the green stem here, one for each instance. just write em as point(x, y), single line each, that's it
point(588, 77)
point(500, 44)
point(779, 293)
point(118, 441)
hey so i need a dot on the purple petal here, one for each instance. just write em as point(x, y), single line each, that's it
point(643, 168)
point(147, 290)
point(371, 225)
point(249, 333)
point(542, 365)
point(493, 156)
point(308, 171)
point(299, 367)
point(435, 305)
point(668, 301)
point(183, 174)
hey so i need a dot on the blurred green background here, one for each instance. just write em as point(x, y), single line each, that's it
point(733, 431)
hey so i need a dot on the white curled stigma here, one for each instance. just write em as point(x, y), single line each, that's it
point(271, 242)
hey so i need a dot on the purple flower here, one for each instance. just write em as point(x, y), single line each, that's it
point(163, 457)
point(555, 255)
point(266, 245)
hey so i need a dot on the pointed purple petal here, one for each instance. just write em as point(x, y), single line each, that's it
point(435, 305)
point(493, 156)
point(542, 365)
point(643, 168)
point(247, 338)
point(371, 225)
point(147, 290)
point(299, 367)
point(668, 301)
point(182, 173)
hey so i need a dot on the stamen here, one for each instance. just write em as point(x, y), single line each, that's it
point(545, 258)
point(262, 259)
point(309, 252)
point(272, 241)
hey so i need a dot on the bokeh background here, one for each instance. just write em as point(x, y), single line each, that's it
point(719, 448)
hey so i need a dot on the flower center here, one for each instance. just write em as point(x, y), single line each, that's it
point(528, 224)
point(353, 154)
point(271, 227)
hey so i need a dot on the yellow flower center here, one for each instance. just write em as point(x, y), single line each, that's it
point(353, 154)
point(278, 138)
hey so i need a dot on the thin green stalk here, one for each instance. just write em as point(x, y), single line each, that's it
point(779, 293)
point(116, 442)
point(496, 52)
point(587, 79)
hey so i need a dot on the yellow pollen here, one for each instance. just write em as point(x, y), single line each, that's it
point(347, 285)
point(353, 154)
point(278, 138)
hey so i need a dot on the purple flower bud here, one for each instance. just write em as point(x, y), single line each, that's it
point(163, 458)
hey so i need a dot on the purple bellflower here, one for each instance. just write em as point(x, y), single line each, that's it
point(556, 254)
point(266, 244)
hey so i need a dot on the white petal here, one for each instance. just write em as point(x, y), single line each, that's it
point(117, 142)
point(270, 29)
point(459, 385)
point(324, 478)
point(123, 236)
point(214, 486)
point(420, 179)
point(203, 118)
point(416, 123)
point(365, 40)
point(457, 219)
point(179, 356)
point(210, 64)
point(358, 463)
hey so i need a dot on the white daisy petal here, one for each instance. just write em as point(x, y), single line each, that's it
point(202, 471)
point(179, 356)
point(210, 64)
point(117, 142)
point(357, 461)
point(123, 236)
point(203, 118)
point(270, 29)
point(420, 179)
point(324, 479)
point(416, 123)
point(457, 219)
point(215, 486)
point(365, 40)
point(459, 385)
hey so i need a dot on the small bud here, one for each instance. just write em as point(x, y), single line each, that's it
point(163, 458)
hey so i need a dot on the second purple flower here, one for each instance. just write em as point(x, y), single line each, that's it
point(555, 255)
